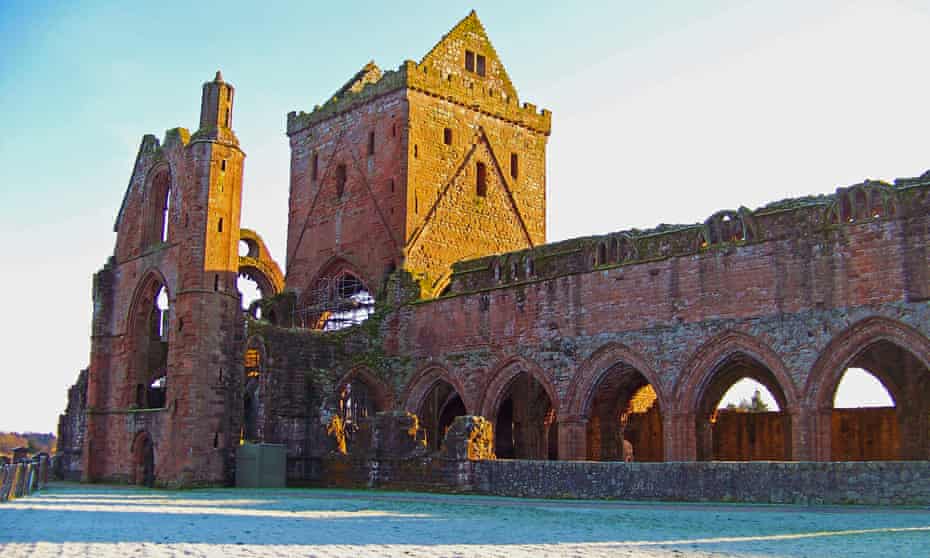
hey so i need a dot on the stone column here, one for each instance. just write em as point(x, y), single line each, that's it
point(679, 434)
point(573, 438)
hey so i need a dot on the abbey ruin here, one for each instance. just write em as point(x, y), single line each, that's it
point(419, 287)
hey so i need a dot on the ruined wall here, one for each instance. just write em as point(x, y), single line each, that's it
point(71, 430)
point(194, 182)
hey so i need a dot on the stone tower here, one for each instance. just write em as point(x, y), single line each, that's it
point(167, 320)
point(416, 168)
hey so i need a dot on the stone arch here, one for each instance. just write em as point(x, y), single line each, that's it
point(322, 305)
point(436, 396)
point(714, 367)
point(618, 399)
point(441, 285)
point(142, 452)
point(501, 377)
point(156, 203)
point(421, 383)
point(908, 385)
point(593, 369)
point(145, 351)
point(529, 402)
point(359, 395)
point(381, 395)
point(258, 265)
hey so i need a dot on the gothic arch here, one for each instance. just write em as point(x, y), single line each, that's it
point(522, 404)
point(436, 396)
point(592, 370)
point(503, 375)
point(423, 381)
point(258, 265)
point(709, 357)
point(906, 376)
point(135, 387)
point(707, 433)
point(844, 347)
point(620, 401)
point(156, 201)
point(142, 452)
point(383, 398)
point(152, 276)
point(334, 266)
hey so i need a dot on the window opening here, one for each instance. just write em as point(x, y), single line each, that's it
point(340, 181)
point(415, 151)
point(392, 185)
point(469, 61)
point(226, 118)
point(749, 396)
point(337, 303)
point(249, 290)
point(223, 165)
point(164, 216)
point(860, 389)
point(514, 166)
point(314, 167)
point(447, 136)
point(481, 183)
point(161, 305)
point(479, 65)
point(219, 225)
point(371, 143)
point(216, 282)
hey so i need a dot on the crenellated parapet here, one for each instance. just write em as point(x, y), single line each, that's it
point(462, 68)
point(455, 88)
point(869, 201)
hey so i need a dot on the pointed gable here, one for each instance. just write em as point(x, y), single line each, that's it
point(468, 44)
point(370, 73)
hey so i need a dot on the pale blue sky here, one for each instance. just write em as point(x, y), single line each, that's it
point(662, 112)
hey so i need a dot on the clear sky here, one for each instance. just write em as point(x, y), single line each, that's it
point(662, 112)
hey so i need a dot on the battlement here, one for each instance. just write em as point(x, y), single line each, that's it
point(426, 79)
point(462, 68)
point(869, 201)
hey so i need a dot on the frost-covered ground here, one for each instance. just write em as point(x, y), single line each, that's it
point(74, 520)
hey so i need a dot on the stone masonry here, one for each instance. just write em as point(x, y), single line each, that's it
point(425, 187)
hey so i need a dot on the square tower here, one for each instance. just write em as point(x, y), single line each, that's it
point(416, 169)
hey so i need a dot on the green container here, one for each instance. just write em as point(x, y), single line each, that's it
point(261, 466)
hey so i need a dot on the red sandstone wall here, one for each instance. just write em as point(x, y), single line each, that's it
point(366, 225)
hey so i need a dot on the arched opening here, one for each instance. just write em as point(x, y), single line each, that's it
point(624, 418)
point(249, 290)
point(359, 399)
point(881, 407)
point(337, 302)
point(525, 425)
point(143, 460)
point(157, 208)
point(742, 414)
point(437, 412)
point(150, 337)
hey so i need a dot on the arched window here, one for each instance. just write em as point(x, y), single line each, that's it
point(156, 213)
point(337, 302)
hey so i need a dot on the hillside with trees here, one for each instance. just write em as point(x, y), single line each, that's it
point(36, 442)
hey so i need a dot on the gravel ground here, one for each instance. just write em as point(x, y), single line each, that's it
point(75, 520)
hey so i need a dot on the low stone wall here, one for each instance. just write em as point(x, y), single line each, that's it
point(869, 482)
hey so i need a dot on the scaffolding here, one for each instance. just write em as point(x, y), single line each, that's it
point(336, 303)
